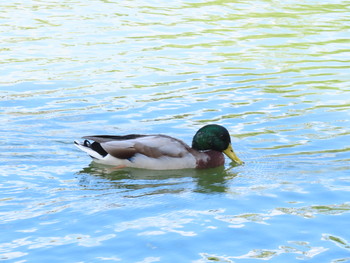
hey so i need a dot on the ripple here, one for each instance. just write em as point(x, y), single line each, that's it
point(275, 74)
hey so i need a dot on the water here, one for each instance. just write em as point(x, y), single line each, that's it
point(275, 73)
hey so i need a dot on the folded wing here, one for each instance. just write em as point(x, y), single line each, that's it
point(153, 146)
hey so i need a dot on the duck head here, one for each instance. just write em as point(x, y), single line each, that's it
point(215, 137)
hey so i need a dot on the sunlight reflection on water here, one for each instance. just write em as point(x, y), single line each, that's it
point(274, 73)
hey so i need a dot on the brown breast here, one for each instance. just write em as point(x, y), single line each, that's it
point(210, 159)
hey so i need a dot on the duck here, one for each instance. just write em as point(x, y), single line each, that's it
point(161, 152)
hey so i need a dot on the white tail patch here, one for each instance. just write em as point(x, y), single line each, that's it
point(88, 150)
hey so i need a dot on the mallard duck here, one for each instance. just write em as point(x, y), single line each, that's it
point(162, 152)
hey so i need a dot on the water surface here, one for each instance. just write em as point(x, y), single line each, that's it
point(274, 73)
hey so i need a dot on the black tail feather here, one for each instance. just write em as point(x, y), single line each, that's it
point(96, 147)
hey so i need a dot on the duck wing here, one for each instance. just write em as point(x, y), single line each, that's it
point(125, 147)
point(108, 138)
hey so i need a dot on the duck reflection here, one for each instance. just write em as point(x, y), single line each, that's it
point(144, 182)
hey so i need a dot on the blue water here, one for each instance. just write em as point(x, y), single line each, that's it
point(275, 74)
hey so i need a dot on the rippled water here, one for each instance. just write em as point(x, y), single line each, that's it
point(275, 73)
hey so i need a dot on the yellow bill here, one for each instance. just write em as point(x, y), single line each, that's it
point(231, 154)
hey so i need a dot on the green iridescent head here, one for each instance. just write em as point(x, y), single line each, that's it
point(214, 137)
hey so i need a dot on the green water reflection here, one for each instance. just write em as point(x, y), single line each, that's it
point(158, 182)
point(274, 73)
